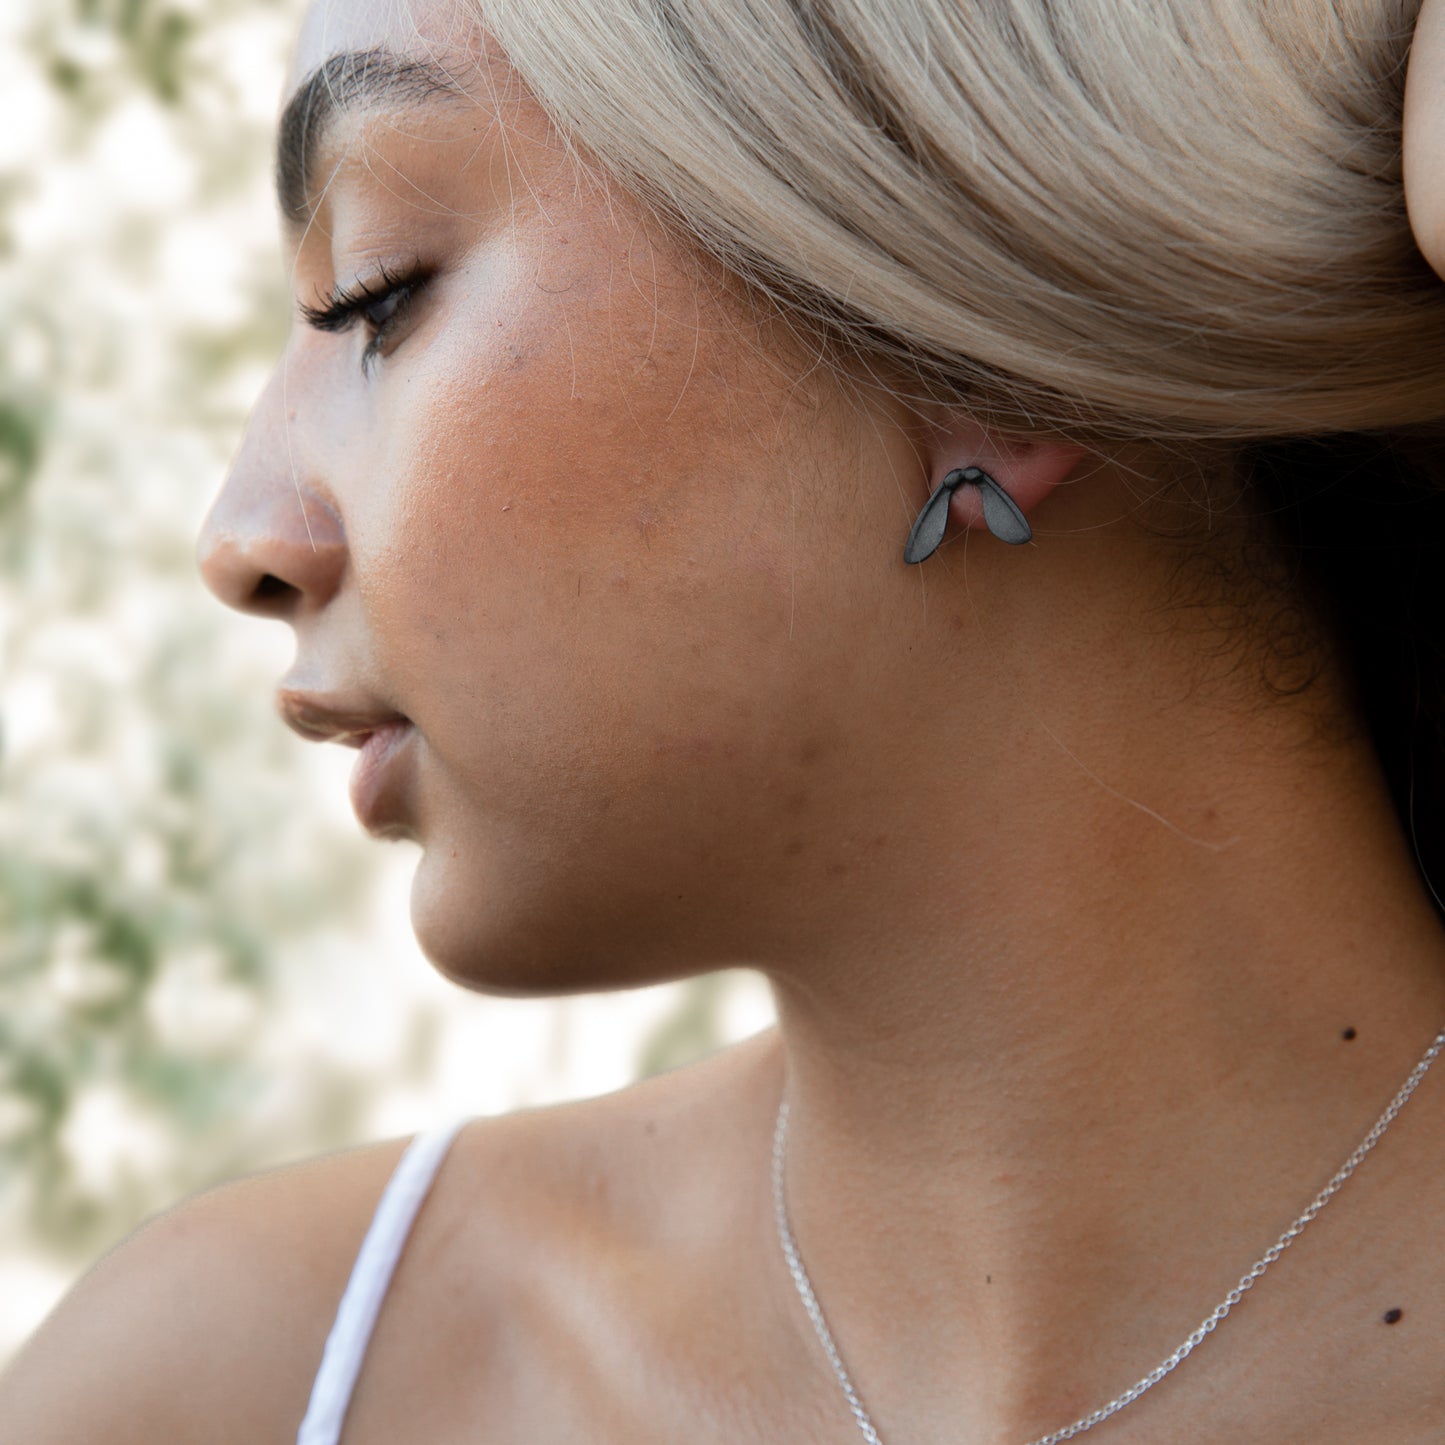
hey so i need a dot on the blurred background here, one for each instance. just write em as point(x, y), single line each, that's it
point(206, 968)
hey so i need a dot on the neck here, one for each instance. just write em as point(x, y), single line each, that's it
point(1094, 1071)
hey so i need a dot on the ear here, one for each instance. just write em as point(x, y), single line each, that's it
point(1425, 133)
point(1027, 469)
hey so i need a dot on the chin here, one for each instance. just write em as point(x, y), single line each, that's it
point(513, 940)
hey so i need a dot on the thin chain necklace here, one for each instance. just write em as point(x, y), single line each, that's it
point(1087, 1422)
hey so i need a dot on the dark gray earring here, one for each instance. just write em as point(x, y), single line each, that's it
point(1000, 512)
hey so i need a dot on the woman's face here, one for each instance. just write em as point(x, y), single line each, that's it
point(562, 504)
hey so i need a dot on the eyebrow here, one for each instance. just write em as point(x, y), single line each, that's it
point(351, 80)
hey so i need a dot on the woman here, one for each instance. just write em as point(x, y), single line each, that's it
point(932, 503)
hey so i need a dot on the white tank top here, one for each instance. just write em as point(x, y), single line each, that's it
point(370, 1276)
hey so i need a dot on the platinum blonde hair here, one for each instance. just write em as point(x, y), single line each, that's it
point(1176, 219)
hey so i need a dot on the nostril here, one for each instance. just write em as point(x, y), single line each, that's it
point(271, 597)
point(258, 554)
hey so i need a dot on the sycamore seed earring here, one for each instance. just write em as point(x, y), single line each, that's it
point(1000, 512)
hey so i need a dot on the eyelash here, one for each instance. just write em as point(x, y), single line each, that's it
point(348, 305)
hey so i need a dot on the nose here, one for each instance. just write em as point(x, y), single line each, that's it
point(272, 544)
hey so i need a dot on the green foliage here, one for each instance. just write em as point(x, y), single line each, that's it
point(153, 36)
point(22, 437)
point(690, 1031)
point(156, 872)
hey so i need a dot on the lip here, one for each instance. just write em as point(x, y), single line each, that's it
point(379, 781)
point(326, 718)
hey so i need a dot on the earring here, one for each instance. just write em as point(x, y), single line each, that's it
point(1000, 512)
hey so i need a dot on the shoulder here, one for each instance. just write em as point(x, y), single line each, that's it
point(208, 1321)
point(552, 1280)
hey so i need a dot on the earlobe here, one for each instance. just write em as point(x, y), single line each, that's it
point(996, 489)
point(1001, 514)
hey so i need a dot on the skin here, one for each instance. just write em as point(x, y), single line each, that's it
point(1065, 913)
point(1425, 133)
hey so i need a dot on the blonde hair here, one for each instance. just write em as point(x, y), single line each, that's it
point(1153, 218)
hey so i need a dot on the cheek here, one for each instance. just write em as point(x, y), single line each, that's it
point(580, 556)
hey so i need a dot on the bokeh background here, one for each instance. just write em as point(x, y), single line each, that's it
point(206, 969)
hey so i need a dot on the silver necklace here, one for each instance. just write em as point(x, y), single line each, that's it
point(1087, 1422)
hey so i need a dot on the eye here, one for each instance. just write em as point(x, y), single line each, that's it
point(378, 304)
point(380, 314)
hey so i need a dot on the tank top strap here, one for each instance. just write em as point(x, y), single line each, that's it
point(370, 1276)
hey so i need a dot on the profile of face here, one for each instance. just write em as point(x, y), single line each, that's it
point(545, 490)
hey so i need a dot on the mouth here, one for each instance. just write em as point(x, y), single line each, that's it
point(380, 781)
